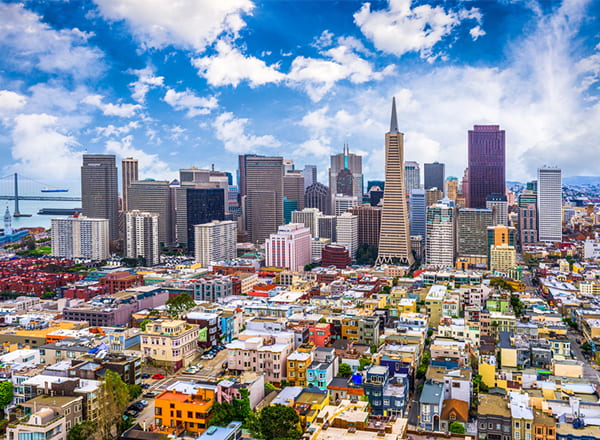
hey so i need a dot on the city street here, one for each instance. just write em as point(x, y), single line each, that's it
point(589, 373)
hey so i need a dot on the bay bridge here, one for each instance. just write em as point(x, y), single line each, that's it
point(18, 187)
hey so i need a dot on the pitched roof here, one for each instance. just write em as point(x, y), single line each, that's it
point(459, 408)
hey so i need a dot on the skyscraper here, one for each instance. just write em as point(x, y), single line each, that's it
point(155, 196)
point(141, 236)
point(418, 213)
point(261, 179)
point(499, 206)
point(99, 190)
point(549, 194)
point(293, 188)
point(394, 241)
point(452, 188)
point(310, 175)
point(309, 217)
point(80, 237)
point(129, 173)
point(434, 176)
point(215, 241)
point(412, 176)
point(369, 223)
point(472, 235)
point(486, 164)
point(317, 196)
point(440, 234)
point(347, 232)
point(196, 206)
point(351, 162)
point(290, 247)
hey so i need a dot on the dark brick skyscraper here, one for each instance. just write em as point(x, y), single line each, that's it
point(486, 164)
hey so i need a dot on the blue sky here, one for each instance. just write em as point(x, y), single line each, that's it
point(197, 82)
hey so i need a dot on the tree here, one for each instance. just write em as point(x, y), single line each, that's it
point(238, 410)
point(366, 255)
point(363, 362)
point(374, 349)
point(457, 428)
point(421, 371)
point(134, 391)
point(429, 332)
point(179, 304)
point(6, 394)
point(143, 324)
point(345, 370)
point(115, 397)
point(82, 431)
point(586, 346)
point(517, 305)
point(275, 422)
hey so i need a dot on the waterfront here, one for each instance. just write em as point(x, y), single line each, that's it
point(32, 207)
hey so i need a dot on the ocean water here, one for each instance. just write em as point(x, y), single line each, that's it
point(32, 207)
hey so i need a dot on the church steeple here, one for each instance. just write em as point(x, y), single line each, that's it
point(394, 120)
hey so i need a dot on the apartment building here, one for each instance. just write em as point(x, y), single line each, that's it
point(170, 343)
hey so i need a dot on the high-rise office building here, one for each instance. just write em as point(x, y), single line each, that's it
point(289, 206)
point(261, 179)
point(394, 241)
point(502, 258)
point(155, 196)
point(317, 196)
point(452, 188)
point(412, 176)
point(293, 188)
point(129, 173)
point(80, 237)
point(206, 178)
point(328, 227)
point(499, 235)
point(440, 234)
point(347, 232)
point(309, 217)
point(335, 255)
point(527, 197)
point(528, 230)
point(486, 164)
point(289, 248)
point(141, 236)
point(352, 163)
point(215, 241)
point(99, 190)
point(369, 223)
point(549, 195)
point(433, 195)
point(472, 235)
point(195, 206)
point(418, 213)
point(499, 205)
point(435, 175)
point(342, 203)
point(310, 175)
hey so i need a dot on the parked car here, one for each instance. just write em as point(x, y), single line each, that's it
point(150, 394)
point(158, 376)
point(132, 412)
point(145, 376)
point(145, 386)
point(144, 402)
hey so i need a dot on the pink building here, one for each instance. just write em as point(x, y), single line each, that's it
point(263, 352)
point(290, 247)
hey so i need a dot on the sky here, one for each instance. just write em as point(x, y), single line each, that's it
point(198, 82)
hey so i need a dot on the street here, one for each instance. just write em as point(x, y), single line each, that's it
point(589, 373)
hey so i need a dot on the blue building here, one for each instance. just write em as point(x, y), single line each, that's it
point(227, 320)
point(430, 406)
point(387, 396)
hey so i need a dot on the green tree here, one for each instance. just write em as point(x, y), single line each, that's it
point(374, 349)
point(366, 255)
point(421, 371)
point(134, 391)
point(457, 428)
point(82, 431)
point(275, 422)
point(238, 410)
point(143, 324)
point(586, 346)
point(179, 304)
point(363, 362)
point(345, 370)
point(517, 305)
point(115, 397)
point(6, 394)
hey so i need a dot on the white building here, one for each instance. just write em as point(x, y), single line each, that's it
point(80, 237)
point(342, 203)
point(440, 235)
point(141, 236)
point(549, 198)
point(309, 217)
point(347, 232)
point(215, 241)
point(290, 247)
point(591, 249)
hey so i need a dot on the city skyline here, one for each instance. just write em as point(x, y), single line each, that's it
point(103, 79)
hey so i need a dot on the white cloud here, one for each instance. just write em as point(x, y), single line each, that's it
point(324, 40)
point(150, 165)
point(402, 28)
point(191, 24)
point(232, 132)
point(230, 67)
point(11, 101)
point(27, 43)
point(319, 147)
point(112, 130)
point(476, 32)
point(194, 105)
point(39, 146)
point(146, 81)
point(122, 110)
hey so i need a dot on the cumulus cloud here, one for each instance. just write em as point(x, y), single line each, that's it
point(190, 24)
point(28, 43)
point(188, 101)
point(476, 32)
point(146, 80)
point(229, 66)
point(39, 145)
point(150, 165)
point(122, 110)
point(11, 101)
point(402, 28)
point(232, 132)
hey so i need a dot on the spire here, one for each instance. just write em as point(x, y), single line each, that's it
point(394, 120)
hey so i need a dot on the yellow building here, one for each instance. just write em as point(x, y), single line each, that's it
point(308, 405)
point(170, 343)
point(407, 305)
point(297, 365)
point(176, 412)
point(434, 302)
point(502, 257)
point(350, 328)
point(487, 370)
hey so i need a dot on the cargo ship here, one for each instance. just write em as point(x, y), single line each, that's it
point(54, 190)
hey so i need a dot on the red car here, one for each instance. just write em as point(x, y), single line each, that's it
point(158, 376)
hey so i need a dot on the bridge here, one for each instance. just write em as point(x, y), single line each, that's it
point(9, 190)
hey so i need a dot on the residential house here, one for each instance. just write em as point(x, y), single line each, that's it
point(430, 406)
